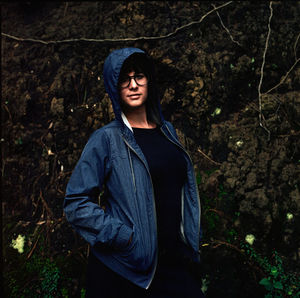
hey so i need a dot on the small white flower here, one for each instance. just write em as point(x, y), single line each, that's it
point(216, 112)
point(98, 78)
point(87, 106)
point(50, 152)
point(61, 168)
point(239, 143)
point(18, 243)
point(72, 110)
point(250, 238)
point(289, 216)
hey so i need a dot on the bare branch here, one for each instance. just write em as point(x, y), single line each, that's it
point(295, 46)
point(262, 72)
point(66, 7)
point(206, 156)
point(119, 39)
point(49, 211)
point(283, 78)
point(226, 29)
point(288, 72)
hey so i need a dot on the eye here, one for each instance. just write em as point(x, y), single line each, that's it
point(124, 79)
point(140, 76)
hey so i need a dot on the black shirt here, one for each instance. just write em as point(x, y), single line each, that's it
point(168, 169)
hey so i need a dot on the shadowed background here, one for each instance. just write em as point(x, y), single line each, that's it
point(216, 77)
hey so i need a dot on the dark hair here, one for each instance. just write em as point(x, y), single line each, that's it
point(142, 63)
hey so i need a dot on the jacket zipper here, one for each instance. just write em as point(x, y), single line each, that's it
point(198, 198)
point(156, 256)
point(131, 168)
point(182, 216)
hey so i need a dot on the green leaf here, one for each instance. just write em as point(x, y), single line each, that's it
point(278, 285)
point(266, 283)
point(274, 270)
point(82, 293)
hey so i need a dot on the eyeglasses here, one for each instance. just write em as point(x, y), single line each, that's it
point(140, 80)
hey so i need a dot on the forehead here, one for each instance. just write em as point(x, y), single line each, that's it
point(130, 73)
point(132, 67)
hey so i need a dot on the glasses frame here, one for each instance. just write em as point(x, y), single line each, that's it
point(134, 78)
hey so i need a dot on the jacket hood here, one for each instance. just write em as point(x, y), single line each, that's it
point(111, 70)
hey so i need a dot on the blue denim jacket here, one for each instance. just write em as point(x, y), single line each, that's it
point(112, 163)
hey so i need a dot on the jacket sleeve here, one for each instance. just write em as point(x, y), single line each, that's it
point(81, 210)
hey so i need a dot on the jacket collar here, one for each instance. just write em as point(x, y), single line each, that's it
point(126, 122)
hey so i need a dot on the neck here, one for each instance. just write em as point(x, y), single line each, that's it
point(138, 118)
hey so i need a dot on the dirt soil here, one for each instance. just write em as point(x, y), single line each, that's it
point(241, 132)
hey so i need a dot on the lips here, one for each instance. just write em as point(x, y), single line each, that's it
point(134, 96)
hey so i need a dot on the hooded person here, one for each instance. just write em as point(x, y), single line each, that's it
point(148, 221)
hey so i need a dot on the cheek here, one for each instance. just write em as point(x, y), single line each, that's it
point(146, 93)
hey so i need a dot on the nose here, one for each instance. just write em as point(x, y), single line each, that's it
point(133, 84)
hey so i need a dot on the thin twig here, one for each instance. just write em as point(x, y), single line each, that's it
point(220, 213)
point(283, 78)
point(288, 72)
point(295, 46)
point(34, 246)
point(219, 243)
point(262, 72)
point(119, 39)
point(7, 110)
point(49, 211)
point(206, 156)
point(35, 204)
point(66, 7)
point(225, 28)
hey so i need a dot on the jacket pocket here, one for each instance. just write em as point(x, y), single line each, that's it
point(134, 256)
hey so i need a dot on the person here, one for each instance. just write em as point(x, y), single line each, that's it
point(146, 228)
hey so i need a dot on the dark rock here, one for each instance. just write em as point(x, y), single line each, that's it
point(57, 106)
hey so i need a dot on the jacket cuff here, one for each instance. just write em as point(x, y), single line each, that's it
point(123, 237)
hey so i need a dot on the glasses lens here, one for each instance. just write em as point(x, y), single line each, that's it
point(124, 82)
point(140, 80)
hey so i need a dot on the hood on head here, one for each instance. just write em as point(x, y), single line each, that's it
point(111, 70)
